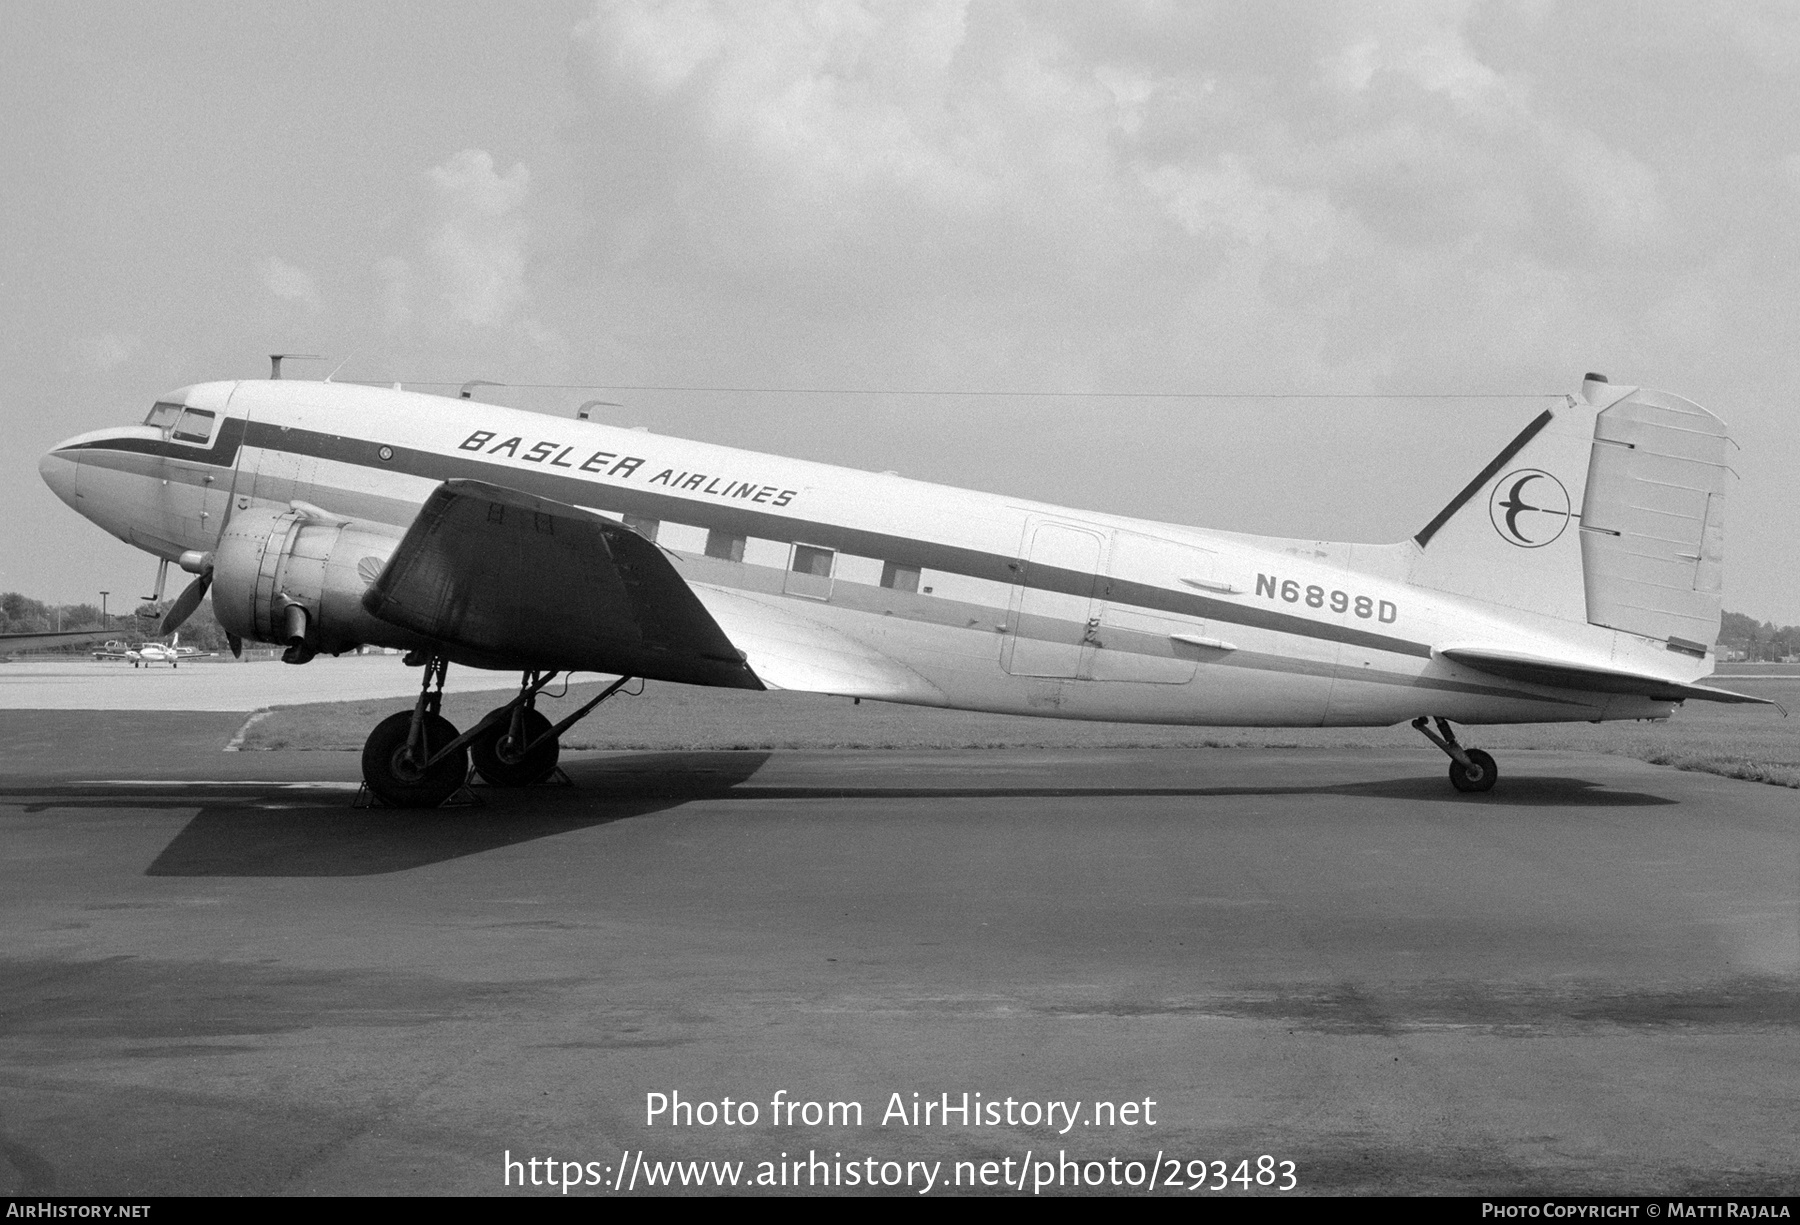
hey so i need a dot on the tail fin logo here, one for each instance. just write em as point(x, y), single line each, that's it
point(1529, 508)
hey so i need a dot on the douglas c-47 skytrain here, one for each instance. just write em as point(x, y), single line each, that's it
point(1575, 578)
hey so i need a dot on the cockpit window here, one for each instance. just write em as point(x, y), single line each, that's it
point(163, 415)
point(195, 425)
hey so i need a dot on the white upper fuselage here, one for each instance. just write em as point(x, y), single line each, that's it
point(843, 581)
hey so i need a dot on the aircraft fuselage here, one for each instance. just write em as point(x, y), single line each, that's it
point(873, 585)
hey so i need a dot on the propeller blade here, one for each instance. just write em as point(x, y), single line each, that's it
point(185, 604)
point(237, 646)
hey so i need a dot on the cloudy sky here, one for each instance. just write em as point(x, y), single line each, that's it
point(1371, 200)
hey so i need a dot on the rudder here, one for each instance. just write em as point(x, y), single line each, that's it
point(1652, 522)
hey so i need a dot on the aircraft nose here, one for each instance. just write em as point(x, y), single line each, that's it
point(61, 469)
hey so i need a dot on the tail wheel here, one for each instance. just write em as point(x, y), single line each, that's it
point(396, 778)
point(504, 763)
point(1478, 775)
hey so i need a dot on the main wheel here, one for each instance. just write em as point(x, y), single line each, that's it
point(396, 778)
point(503, 764)
point(1478, 775)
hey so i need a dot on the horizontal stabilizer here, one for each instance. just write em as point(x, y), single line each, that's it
point(506, 580)
point(1563, 674)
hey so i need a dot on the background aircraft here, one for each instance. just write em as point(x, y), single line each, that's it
point(171, 653)
point(1575, 578)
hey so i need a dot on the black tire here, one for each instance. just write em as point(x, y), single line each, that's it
point(390, 773)
point(1478, 775)
point(499, 761)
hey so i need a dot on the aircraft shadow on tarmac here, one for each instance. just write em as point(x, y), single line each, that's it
point(278, 830)
point(288, 834)
point(1518, 793)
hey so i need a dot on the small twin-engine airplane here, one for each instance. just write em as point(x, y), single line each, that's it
point(147, 653)
point(170, 652)
point(1575, 578)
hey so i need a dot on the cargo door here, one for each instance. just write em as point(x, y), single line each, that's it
point(1053, 617)
point(1142, 636)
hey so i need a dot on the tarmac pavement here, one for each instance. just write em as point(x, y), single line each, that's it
point(220, 683)
point(219, 978)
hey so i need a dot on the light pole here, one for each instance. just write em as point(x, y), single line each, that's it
point(104, 624)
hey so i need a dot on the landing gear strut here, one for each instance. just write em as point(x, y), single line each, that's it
point(513, 748)
point(416, 759)
point(1470, 769)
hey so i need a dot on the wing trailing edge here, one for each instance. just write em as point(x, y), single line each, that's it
point(1569, 674)
point(30, 641)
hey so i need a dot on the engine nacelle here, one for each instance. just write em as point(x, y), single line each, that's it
point(297, 577)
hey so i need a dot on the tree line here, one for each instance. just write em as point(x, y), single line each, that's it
point(1758, 639)
point(20, 614)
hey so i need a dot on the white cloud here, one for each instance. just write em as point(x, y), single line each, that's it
point(1226, 201)
point(107, 350)
point(1790, 170)
point(1003, 194)
point(1494, 139)
point(478, 241)
point(284, 280)
point(1619, 192)
point(396, 277)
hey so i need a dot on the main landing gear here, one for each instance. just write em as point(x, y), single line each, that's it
point(417, 759)
point(1470, 769)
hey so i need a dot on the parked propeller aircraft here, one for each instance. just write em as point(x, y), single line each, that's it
point(170, 652)
point(1575, 578)
point(146, 653)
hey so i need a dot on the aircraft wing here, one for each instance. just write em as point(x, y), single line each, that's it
point(506, 580)
point(55, 638)
point(1565, 674)
point(792, 651)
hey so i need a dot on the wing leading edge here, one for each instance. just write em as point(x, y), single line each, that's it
point(506, 580)
point(1562, 674)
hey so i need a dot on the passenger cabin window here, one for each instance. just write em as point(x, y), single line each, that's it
point(724, 545)
point(898, 577)
point(809, 573)
point(642, 526)
point(163, 415)
point(810, 559)
point(194, 425)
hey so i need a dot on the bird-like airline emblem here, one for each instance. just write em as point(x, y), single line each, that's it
point(1529, 507)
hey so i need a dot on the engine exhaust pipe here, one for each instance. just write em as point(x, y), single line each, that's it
point(293, 631)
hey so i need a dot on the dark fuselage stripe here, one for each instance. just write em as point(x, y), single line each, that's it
point(901, 550)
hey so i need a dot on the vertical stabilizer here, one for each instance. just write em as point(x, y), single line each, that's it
point(1607, 511)
point(1509, 537)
